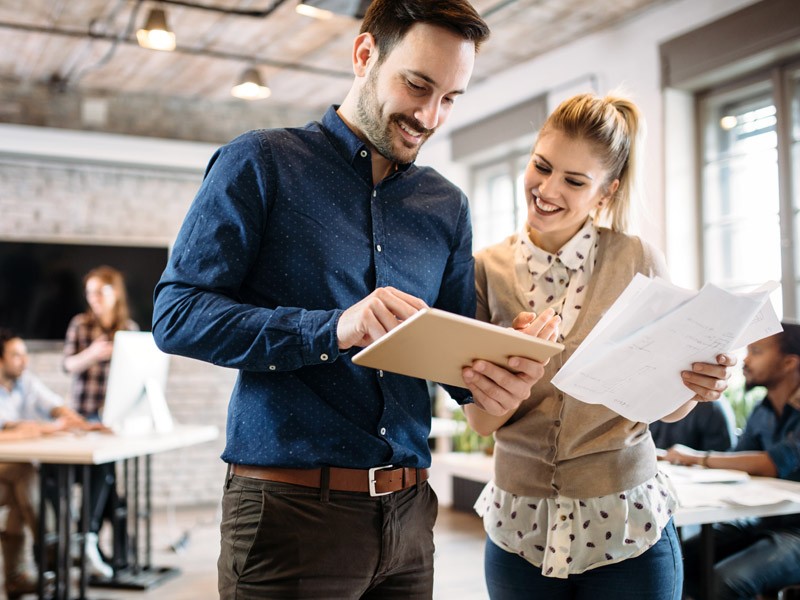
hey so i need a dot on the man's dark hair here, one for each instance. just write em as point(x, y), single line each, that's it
point(6, 335)
point(389, 20)
point(789, 339)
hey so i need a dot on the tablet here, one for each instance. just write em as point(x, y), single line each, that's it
point(435, 345)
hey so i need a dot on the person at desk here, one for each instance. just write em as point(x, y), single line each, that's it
point(757, 556)
point(87, 357)
point(28, 409)
point(710, 426)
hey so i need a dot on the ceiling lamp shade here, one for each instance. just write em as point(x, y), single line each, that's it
point(156, 34)
point(250, 86)
point(326, 9)
point(308, 10)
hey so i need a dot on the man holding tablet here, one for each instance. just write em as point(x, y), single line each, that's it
point(302, 246)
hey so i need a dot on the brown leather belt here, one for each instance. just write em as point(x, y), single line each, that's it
point(377, 481)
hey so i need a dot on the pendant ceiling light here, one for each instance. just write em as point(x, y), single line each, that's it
point(156, 34)
point(250, 86)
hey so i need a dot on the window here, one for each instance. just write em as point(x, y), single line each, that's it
point(750, 149)
point(498, 199)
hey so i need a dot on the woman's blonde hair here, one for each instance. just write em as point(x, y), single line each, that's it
point(110, 276)
point(615, 129)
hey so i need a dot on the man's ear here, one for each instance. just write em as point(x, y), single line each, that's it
point(792, 362)
point(365, 52)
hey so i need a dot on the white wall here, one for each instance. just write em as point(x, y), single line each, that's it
point(625, 55)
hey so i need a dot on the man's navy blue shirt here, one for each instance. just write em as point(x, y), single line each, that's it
point(287, 231)
point(778, 436)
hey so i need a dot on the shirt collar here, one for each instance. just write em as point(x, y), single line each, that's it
point(572, 254)
point(347, 143)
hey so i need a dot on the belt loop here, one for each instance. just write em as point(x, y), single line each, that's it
point(324, 484)
point(419, 480)
point(228, 476)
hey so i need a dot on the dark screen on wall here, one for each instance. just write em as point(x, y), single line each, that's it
point(41, 285)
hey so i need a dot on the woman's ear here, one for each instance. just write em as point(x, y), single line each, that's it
point(364, 49)
point(608, 194)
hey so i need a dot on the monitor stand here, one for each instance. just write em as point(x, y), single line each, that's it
point(149, 413)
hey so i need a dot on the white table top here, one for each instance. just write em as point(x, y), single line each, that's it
point(726, 501)
point(97, 448)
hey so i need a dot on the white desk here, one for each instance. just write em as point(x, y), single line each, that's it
point(480, 467)
point(69, 452)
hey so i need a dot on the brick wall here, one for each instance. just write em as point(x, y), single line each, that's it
point(59, 200)
point(95, 204)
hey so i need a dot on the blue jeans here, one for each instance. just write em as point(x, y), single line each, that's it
point(655, 575)
point(754, 556)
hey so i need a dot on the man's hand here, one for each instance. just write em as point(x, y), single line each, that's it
point(683, 455)
point(707, 380)
point(377, 314)
point(498, 390)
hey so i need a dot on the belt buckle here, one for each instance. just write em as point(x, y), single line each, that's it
point(371, 477)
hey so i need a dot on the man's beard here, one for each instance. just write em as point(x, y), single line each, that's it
point(379, 133)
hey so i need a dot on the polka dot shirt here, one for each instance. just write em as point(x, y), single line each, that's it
point(558, 280)
point(563, 535)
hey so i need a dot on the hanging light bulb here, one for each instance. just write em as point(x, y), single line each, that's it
point(308, 10)
point(250, 86)
point(156, 34)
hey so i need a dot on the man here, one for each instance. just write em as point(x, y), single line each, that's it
point(28, 409)
point(301, 246)
point(710, 426)
point(757, 556)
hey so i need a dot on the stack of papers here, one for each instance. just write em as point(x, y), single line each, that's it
point(632, 359)
point(698, 487)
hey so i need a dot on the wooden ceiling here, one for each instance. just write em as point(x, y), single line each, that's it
point(89, 45)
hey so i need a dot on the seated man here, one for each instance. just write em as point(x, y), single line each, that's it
point(710, 426)
point(28, 409)
point(757, 556)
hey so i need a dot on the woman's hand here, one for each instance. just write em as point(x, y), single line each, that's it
point(544, 326)
point(707, 380)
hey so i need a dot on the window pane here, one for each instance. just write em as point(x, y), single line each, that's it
point(743, 252)
point(741, 226)
point(495, 202)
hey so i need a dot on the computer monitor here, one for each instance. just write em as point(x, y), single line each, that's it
point(135, 401)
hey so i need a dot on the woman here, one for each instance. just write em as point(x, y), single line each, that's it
point(577, 508)
point(87, 356)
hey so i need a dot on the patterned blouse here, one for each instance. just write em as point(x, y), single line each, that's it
point(88, 391)
point(562, 535)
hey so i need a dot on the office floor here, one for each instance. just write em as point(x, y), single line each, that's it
point(458, 559)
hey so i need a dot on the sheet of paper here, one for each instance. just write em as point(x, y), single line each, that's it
point(631, 362)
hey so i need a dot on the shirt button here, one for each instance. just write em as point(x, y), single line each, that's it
point(383, 430)
point(363, 154)
point(378, 248)
point(272, 367)
point(323, 356)
point(557, 423)
point(374, 193)
point(563, 517)
point(380, 373)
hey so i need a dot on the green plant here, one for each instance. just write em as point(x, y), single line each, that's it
point(742, 401)
point(467, 440)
